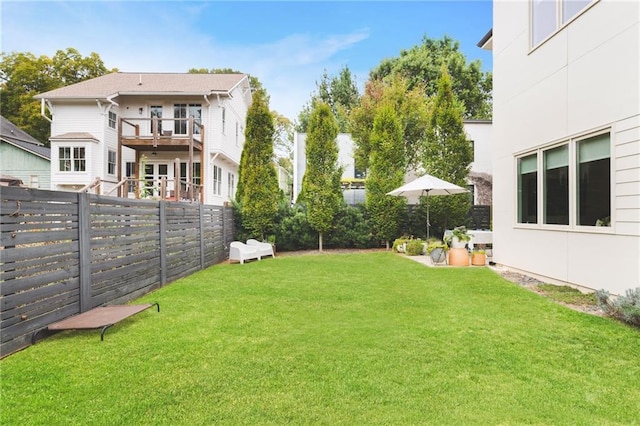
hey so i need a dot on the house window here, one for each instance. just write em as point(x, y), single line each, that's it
point(224, 119)
point(111, 162)
point(548, 16)
point(556, 185)
point(72, 159)
point(195, 111)
point(232, 185)
point(217, 180)
point(113, 118)
point(156, 112)
point(130, 172)
point(182, 112)
point(571, 8)
point(528, 189)
point(196, 173)
point(594, 181)
point(576, 177)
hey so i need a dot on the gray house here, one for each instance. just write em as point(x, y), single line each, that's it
point(23, 158)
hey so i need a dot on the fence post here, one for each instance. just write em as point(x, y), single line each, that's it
point(163, 242)
point(84, 251)
point(201, 218)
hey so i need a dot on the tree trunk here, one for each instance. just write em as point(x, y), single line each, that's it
point(320, 241)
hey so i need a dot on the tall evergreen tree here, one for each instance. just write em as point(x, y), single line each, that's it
point(447, 155)
point(386, 173)
point(321, 182)
point(257, 192)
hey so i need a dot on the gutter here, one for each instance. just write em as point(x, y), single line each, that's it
point(44, 101)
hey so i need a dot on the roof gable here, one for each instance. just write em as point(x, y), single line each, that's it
point(120, 83)
point(12, 134)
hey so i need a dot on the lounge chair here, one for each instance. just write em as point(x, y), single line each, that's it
point(265, 249)
point(240, 251)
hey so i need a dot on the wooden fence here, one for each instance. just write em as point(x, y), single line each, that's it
point(64, 253)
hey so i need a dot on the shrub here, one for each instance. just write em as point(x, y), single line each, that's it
point(625, 308)
point(415, 247)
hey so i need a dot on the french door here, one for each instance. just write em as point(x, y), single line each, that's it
point(153, 174)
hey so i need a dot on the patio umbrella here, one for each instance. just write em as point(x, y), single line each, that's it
point(425, 186)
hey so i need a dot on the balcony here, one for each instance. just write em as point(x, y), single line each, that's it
point(146, 134)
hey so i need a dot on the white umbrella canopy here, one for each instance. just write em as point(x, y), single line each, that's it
point(425, 186)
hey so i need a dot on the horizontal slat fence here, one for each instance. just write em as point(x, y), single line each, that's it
point(64, 253)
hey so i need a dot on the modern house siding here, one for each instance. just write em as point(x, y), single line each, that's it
point(582, 80)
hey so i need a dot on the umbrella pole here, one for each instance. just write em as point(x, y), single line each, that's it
point(428, 224)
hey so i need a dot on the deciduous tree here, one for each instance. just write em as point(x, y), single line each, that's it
point(339, 92)
point(24, 75)
point(422, 64)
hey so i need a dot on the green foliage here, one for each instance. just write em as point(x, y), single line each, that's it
point(254, 82)
point(24, 75)
point(410, 108)
point(294, 231)
point(386, 173)
point(258, 193)
point(422, 65)
point(339, 92)
point(447, 155)
point(415, 247)
point(625, 307)
point(321, 190)
point(352, 229)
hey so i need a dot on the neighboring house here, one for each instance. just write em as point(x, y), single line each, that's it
point(157, 129)
point(353, 182)
point(566, 153)
point(23, 158)
point(353, 189)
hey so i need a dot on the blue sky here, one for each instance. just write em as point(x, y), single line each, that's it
point(286, 44)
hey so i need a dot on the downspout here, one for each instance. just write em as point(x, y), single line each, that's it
point(206, 99)
point(111, 102)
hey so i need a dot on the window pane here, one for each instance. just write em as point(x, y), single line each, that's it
point(556, 185)
point(543, 20)
point(156, 111)
point(195, 111)
point(594, 181)
point(571, 8)
point(180, 126)
point(527, 189)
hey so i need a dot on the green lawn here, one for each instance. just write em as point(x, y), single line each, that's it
point(334, 339)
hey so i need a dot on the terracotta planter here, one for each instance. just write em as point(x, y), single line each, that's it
point(478, 259)
point(458, 257)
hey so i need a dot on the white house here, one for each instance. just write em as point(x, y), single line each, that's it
point(177, 136)
point(478, 132)
point(566, 152)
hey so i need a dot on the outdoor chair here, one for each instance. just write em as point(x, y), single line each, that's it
point(265, 249)
point(240, 251)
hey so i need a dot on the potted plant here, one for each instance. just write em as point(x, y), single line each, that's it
point(478, 257)
point(458, 238)
point(437, 250)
